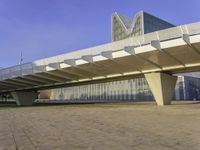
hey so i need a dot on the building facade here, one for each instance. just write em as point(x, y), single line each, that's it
point(187, 88)
point(142, 23)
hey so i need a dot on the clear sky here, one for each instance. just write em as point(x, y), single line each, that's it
point(44, 28)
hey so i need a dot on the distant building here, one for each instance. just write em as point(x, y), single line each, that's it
point(124, 27)
point(187, 88)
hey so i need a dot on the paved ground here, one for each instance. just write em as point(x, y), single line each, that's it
point(101, 127)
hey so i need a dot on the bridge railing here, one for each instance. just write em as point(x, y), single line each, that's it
point(40, 65)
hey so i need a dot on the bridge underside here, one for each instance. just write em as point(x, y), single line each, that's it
point(157, 61)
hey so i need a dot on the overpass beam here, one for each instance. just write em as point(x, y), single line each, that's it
point(24, 98)
point(162, 86)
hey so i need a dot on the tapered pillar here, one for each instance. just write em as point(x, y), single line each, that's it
point(24, 98)
point(162, 86)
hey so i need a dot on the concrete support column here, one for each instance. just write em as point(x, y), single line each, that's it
point(24, 98)
point(162, 86)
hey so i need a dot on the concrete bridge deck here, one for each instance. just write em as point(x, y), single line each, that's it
point(156, 55)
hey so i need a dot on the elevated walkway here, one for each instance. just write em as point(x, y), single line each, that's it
point(156, 55)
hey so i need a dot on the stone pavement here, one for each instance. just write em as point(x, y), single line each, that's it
point(128, 126)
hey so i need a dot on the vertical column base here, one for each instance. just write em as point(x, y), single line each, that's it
point(162, 86)
point(24, 98)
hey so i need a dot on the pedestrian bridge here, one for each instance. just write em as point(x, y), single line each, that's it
point(157, 56)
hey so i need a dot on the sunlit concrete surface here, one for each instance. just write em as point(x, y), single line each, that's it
point(127, 126)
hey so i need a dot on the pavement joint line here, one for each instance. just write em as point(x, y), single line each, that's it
point(35, 147)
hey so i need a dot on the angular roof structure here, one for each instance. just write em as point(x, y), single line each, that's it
point(142, 23)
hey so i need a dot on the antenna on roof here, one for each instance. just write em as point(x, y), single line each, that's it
point(21, 58)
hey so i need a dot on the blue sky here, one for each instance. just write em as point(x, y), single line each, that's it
point(44, 28)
